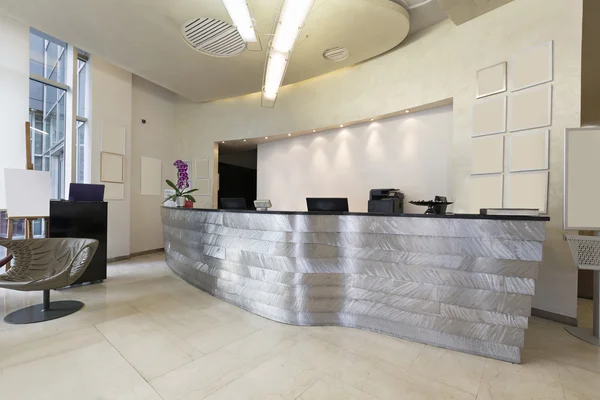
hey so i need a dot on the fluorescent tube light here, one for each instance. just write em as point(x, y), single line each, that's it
point(275, 70)
point(40, 131)
point(291, 20)
point(240, 15)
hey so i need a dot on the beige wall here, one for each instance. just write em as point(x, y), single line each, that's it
point(111, 104)
point(14, 96)
point(437, 64)
point(154, 139)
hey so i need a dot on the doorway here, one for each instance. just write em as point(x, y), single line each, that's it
point(237, 173)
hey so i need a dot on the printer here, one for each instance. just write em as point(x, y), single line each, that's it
point(386, 201)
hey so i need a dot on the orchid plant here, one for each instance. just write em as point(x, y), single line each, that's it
point(183, 183)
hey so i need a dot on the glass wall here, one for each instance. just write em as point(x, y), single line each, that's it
point(48, 107)
point(81, 175)
point(50, 96)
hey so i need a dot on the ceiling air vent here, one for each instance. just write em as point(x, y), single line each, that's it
point(213, 37)
point(336, 54)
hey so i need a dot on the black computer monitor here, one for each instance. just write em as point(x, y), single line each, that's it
point(86, 192)
point(327, 204)
point(233, 204)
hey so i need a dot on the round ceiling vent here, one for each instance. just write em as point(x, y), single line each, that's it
point(213, 37)
point(336, 54)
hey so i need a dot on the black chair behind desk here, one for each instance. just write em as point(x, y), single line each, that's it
point(86, 220)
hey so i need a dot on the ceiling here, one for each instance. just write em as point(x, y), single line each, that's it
point(242, 145)
point(461, 11)
point(143, 36)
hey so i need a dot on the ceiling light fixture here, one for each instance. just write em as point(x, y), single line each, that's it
point(341, 126)
point(290, 21)
point(407, 111)
point(276, 66)
point(266, 137)
point(239, 11)
point(289, 134)
point(223, 141)
point(245, 140)
point(314, 130)
point(372, 119)
point(39, 130)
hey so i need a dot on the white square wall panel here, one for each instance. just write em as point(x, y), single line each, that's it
point(491, 80)
point(203, 186)
point(488, 155)
point(532, 66)
point(530, 109)
point(528, 190)
point(114, 139)
point(151, 176)
point(489, 117)
point(114, 191)
point(486, 191)
point(112, 167)
point(28, 193)
point(202, 169)
point(528, 151)
point(582, 186)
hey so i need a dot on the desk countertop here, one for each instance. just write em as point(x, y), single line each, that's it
point(449, 216)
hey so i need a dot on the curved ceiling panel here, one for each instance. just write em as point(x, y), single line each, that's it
point(144, 37)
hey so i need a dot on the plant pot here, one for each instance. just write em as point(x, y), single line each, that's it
point(180, 201)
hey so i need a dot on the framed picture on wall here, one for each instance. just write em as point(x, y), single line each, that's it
point(112, 167)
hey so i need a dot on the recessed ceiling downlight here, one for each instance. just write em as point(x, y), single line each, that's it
point(336, 54)
point(213, 37)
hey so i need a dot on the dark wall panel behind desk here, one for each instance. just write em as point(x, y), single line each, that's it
point(237, 182)
point(85, 220)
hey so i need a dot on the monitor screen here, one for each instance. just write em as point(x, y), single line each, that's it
point(233, 204)
point(86, 192)
point(327, 204)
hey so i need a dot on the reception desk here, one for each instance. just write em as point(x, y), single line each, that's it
point(462, 282)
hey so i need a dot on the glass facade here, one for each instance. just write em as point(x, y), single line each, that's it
point(48, 109)
point(48, 103)
point(82, 68)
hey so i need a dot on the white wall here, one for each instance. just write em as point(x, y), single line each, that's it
point(154, 139)
point(111, 105)
point(436, 64)
point(410, 152)
point(14, 96)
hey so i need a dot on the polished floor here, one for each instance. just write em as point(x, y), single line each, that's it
point(146, 334)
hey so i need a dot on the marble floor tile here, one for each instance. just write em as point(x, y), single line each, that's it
point(15, 335)
point(366, 375)
point(579, 384)
point(330, 388)
point(93, 372)
point(462, 371)
point(180, 319)
point(555, 343)
point(400, 353)
point(212, 372)
point(213, 339)
point(11, 355)
point(282, 378)
point(147, 346)
point(536, 379)
point(144, 331)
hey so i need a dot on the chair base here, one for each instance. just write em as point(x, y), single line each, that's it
point(33, 314)
point(585, 334)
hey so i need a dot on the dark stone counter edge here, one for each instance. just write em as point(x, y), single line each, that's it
point(364, 214)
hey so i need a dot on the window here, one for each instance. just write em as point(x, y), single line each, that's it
point(48, 107)
point(82, 86)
